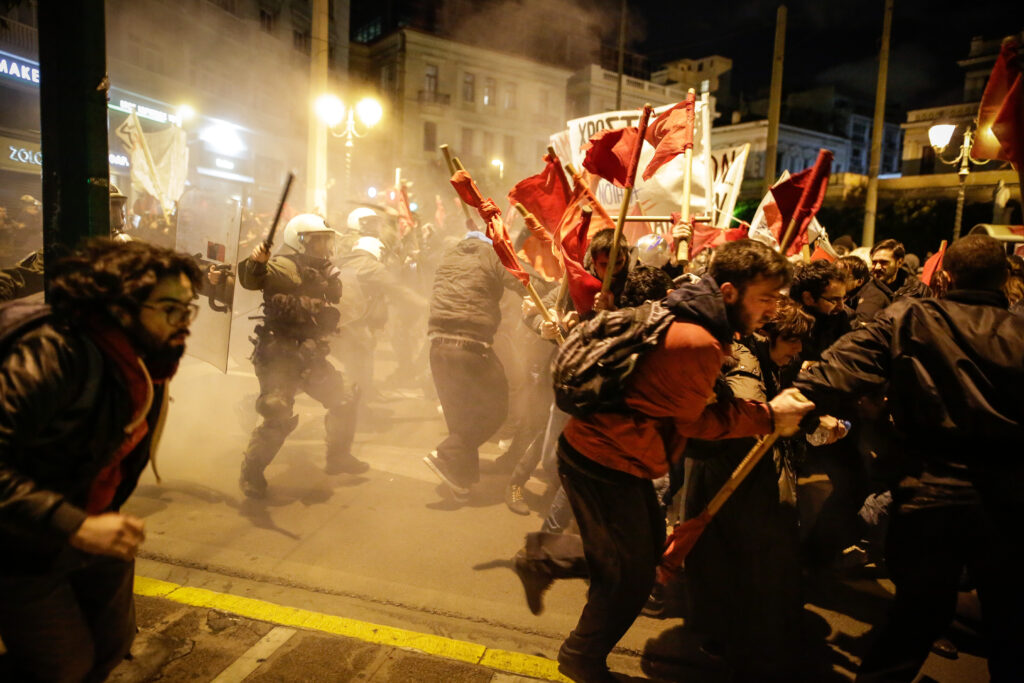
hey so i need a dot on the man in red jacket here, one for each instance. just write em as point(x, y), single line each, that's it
point(607, 460)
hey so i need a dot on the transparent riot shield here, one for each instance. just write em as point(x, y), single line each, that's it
point(208, 230)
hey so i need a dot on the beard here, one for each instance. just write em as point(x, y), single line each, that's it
point(739, 319)
point(161, 357)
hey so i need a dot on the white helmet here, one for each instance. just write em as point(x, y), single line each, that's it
point(301, 225)
point(371, 245)
point(357, 216)
point(652, 250)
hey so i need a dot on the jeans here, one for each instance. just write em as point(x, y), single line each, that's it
point(74, 623)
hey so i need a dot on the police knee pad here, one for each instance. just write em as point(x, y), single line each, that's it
point(273, 407)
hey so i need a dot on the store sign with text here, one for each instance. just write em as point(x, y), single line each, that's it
point(15, 68)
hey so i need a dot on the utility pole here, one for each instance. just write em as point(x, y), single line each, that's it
point(877, 131)
point(316, 154)
point(622, 55)
point(775, 100)
point(73, 87)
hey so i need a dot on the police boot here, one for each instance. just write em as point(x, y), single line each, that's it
point(340, 424)
point(264, 444)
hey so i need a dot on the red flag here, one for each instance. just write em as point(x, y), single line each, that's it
point(799, 197)
point(496, 232)
point(610, 152)
point(545, 195)
point(1001, 114)
point(539, 250)
point(822, 255)
point(573, 246)
point(707, 236)
point(406, 222)
point(671, 134)
point(933, 264)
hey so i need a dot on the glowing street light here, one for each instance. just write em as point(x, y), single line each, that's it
point(501, 167)
point(939, 136)
point(333, 112)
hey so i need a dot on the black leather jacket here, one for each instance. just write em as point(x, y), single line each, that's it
point(63, 411)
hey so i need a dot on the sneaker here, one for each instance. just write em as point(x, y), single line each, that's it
point(345, 464)
point(534, 582)
point(436, 467)
point(251, 481)
point(514, 499)
point(577, 667)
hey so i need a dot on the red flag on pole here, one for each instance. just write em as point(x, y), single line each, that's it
point(406, 222)
point(1000, 132)
point(496, 232)
point(545, 195)
point(609, 154)
point(798, 198)
point(573, 243)
point(933, 265)
point(671, 133)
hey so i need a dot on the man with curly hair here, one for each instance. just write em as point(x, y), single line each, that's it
point(83, 396)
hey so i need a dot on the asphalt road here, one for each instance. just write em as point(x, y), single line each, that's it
point(390, 547)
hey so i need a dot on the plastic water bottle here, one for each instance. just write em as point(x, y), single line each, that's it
point(820, 435)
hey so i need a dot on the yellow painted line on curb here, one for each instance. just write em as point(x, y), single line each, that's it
point(439, 646)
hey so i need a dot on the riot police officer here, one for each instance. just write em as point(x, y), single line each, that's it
point(300, 289)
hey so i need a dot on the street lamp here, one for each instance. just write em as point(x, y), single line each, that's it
point(939, 136)
point(501, 168)
point(333, 112)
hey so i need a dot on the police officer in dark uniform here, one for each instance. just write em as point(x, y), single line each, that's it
point(299, 292)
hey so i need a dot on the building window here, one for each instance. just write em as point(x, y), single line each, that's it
point(301, 41)
point(429, 136)
point(387, 78)
point(430, 78)
point(510, 96)
point(266, 21)
point(467, 142)
point(488, 145)
point(468, 87)
point(489, 87)
point(509, 149)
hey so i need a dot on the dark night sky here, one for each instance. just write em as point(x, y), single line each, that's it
point(829, 41)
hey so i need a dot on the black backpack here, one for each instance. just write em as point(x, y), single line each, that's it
point(593, 365)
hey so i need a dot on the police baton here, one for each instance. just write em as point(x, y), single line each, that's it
point(269, 241)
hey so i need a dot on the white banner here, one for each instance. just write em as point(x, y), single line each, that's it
point(159, 159)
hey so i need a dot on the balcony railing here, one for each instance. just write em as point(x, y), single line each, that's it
point(19, 38)
point(433, 97)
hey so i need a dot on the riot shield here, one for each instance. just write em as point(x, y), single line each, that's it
point(208, 230)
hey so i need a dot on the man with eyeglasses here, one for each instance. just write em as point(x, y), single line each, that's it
point(819, 288)
point(83, 395)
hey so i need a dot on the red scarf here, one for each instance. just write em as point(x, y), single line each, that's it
point(117, 348)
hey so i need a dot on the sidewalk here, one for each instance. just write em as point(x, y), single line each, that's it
point(200, 635)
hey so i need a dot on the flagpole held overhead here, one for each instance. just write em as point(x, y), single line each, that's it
point(683, 248)
point(450, 163)
point(627, 194)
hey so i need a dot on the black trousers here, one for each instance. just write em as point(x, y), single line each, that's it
point(926, 553)
point(74, 623)
point(623, 532)
point(473, 391)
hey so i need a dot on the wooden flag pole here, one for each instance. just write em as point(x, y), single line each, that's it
point(561, 169)
point(627, 194)
point(683, 248)
point(529, 286)
point(577, 178)
point(449, 160)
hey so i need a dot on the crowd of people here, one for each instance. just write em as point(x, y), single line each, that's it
point(905, 394)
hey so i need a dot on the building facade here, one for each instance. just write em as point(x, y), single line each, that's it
point(495, 111)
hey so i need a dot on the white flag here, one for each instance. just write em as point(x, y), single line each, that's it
point(728, 190)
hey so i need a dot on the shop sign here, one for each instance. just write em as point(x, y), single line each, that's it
point(20, 155)
point(18, 68)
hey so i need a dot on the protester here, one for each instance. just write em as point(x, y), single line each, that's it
point(819, 289)
point(1014, 288)
point(954, 368)
point(470, 380)
point(84, 394)
point(743, 575)
point(299, 289)
point(607, 460)
point(843, 245)
point(865, 297)
point(887, 267)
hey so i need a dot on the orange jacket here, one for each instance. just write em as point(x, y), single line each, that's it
point(671, 397)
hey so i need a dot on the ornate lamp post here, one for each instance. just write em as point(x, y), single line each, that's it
point(341, 121)
point(939, 136)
